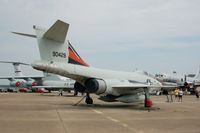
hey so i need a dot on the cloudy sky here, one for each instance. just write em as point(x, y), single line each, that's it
point(151, 35)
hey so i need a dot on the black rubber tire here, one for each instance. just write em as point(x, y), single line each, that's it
point(89, 100)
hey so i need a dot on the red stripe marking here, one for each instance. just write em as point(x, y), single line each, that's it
point(76, 58)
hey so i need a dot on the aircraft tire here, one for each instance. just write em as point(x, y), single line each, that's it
point(89, 100)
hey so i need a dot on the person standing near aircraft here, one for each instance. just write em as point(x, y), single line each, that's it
point(165, 92)
point(180, 95)
point(60, 92)
point(197, 94)
point(171, 97)
point(176, 93)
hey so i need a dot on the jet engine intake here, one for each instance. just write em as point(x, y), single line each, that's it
point(31, 83)
point(34, 84)
point(15, 83)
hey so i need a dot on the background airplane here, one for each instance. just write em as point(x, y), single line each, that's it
point(187, 82)
point(110, 85)
point(18, 81)
point(35, 83)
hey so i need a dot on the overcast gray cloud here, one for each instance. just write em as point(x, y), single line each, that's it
point(153, 35)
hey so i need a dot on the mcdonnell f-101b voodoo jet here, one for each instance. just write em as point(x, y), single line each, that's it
point(110, 85)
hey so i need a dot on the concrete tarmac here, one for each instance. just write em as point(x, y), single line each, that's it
point(49, 113)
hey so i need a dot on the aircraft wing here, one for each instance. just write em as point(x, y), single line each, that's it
point(164, 86)
point(8, 78)
point(53, 87)
point(131, 88)
point(22, 77)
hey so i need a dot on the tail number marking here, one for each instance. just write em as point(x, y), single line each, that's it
point(59, 54)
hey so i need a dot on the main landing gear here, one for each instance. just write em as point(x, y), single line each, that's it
point(88, 99)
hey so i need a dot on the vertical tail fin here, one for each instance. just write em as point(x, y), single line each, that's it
point(54, 47)
point(52, 44)
point(17, 67)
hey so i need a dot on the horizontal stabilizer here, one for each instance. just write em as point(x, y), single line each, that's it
point(24, 34)
point(15, 63)
point(57, 32)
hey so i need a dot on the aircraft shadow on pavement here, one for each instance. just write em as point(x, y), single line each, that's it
point(139, 106)
point(54, 95)
point(115, 105)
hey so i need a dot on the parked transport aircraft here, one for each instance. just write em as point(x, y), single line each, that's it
point(110, 85)
point(19, 81)
point(36, 83)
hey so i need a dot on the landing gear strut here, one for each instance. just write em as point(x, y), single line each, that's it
point(88, 99)
point(147, 102)
point(75, 93)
